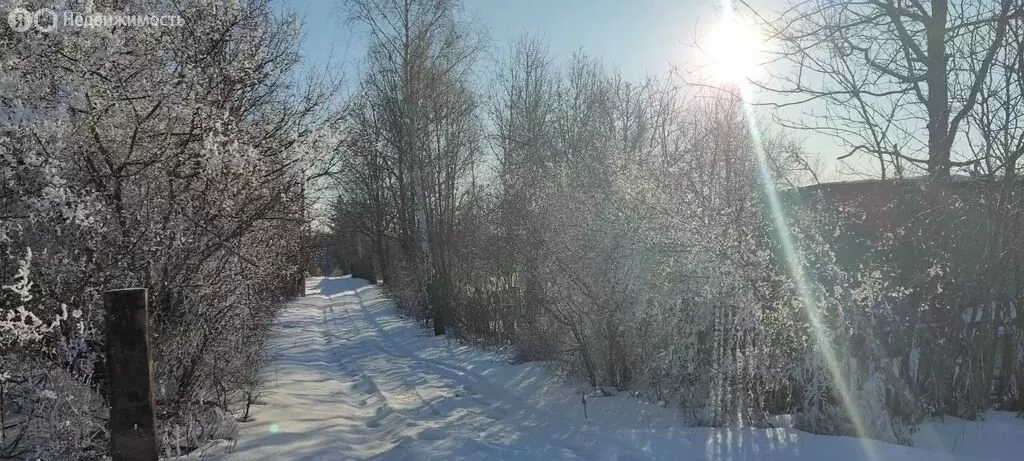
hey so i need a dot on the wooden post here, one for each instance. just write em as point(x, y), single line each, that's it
point(129, 376)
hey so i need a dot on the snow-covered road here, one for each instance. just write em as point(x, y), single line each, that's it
point(351, 379)
point(348, 381)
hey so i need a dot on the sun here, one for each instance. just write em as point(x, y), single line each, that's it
point(735, 51)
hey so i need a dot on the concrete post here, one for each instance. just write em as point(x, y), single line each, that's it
point(130, 376)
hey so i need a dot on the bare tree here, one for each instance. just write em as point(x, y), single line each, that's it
point(420, 57)
point(898, 79)
point(522, 113)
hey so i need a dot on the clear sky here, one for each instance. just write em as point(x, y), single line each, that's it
point(635, 37)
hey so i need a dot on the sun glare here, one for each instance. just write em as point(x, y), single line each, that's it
point(735, 51)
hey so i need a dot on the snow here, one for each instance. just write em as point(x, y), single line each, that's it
point(352, 379)
point(999, 436)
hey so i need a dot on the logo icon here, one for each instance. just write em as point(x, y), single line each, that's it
point(45, 20)
point(19, 19)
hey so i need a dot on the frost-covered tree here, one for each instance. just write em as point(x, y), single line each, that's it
point(628, 231)
point(172, 158)
point(416, 121)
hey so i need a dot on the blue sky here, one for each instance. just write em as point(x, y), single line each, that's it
point(637, 38)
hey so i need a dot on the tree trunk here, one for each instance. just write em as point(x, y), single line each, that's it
point(938, 93)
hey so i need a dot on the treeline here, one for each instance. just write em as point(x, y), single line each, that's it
point(169, 158)
point(635, 233)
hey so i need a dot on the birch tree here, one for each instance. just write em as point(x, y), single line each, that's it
point(420, 56)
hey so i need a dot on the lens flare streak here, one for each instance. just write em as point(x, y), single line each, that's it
point(794, 262)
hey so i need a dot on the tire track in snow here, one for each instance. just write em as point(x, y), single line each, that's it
point(383, 421)
point(318, 408)
point(342, 387)
point(467, 409)
point(512, 408)
point(458, 411)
